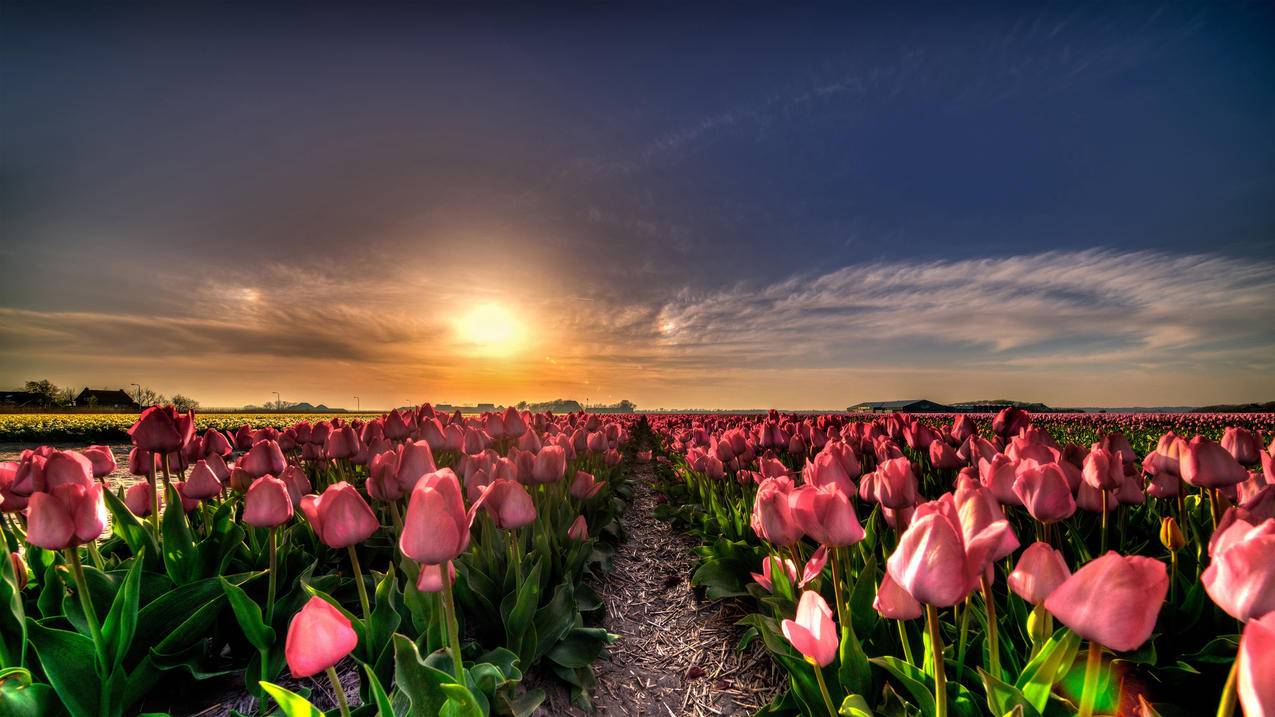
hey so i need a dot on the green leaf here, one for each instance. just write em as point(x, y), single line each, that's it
point(1002, 697)
point(70, 662)
point(854, 706)
point(13, 618)
point(290, 703)
point(518, 611)
point(121, 621)
point(463, 699)
point(554, 619)
point(20, 697)
point(136, 536)
point(421, 683)
point(580, 647)
point(248, 613)
point(379, 698)
point(1054, 659)
point(918, 685)
point(181, 556)
point(854, 672)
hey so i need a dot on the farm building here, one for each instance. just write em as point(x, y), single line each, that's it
point(105, 398)
point(918, 405)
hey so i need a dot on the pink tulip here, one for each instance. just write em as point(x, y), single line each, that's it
point(1039, 572)
point(267, 503)
point(102, 459)
point(65, 467)
point(813, 633)
point(895, 603)
point(1208, 465)
point(68, 515)
point(318, 638)
point(1255, 668)
point(341, 443)
point(943, 457)
point(998, 475)
point(215, 443)
point(1044, 492)
point(827, 469)
point(765, 579)
point(340, 517)
point(430, 579)
point(202, 483)
point(550, 465)
point(141, 462)
point(585, 486)
point(1112, 600)
point(436, 528)
point(772, 517)
point(1103, 469)
point(509, 505)
point(1242, 445)
point(936, 562)
point(579, 529)
point(894, 485)
point(297, 482)
point(138, 497)
point(264, 458)
point(1241, 578)
point(826, 514)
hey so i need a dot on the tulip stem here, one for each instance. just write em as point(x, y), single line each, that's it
point(453, 629)
point(903, 639)
point(1093, 670)
point(154, 500)
point(358, 581)
point(274, 561)
point(95, 555)
point(340, 692)
point(1103, 543)
point(90, 613)
point(936, 646)
point(1226, 707)
point(993, 646)
point(823, 689)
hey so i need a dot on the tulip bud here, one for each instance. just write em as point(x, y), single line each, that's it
point(1171, 535)
point(579, 529)
point(813, 633)
point(137, 498)
point(19, 570)
point(267, 503)
point(318, 638)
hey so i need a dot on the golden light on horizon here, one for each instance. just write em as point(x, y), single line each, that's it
point(491, 329)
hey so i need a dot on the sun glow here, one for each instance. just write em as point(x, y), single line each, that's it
point(491, 329)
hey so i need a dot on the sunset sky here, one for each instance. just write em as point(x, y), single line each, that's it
point(719, 205)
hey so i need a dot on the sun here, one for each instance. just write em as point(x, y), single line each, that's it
point(490, 329)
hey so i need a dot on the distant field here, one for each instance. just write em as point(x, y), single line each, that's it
point(22, 427)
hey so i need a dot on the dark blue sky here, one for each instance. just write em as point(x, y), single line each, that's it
point(616, 170)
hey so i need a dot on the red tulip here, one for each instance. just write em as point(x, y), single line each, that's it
point(318, 638)
point(1255, 668)
point(1208, 465)
point(103, 460)
point(895, 603)
point(1112, 600)
point(340, 517)
point(1010, 421)
point(1241, 578)
point(267, 503)
point(436, 528)
point(66, 516)
point(826, 514)
point(161, 429)
point(1039, 572)
point(1044, 492)
point(813, 633)
point(341, 443)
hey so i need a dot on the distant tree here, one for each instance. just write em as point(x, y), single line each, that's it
point(522, 406)
point(146, 397)
point(45, 391)
point(184, 403)
point(626, 406)
point(66, 397)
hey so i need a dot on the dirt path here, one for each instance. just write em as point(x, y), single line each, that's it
point(676, 655)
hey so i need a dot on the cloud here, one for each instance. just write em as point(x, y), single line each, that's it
point(1089, 308)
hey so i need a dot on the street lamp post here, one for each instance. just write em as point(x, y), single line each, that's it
point(356, 404)
point(278, 402)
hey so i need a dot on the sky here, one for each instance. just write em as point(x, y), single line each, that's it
point(682, 204)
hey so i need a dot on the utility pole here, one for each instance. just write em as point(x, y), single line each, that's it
point(278, 402)
point(356, 404)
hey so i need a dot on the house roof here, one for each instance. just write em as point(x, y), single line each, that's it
point(104, 395)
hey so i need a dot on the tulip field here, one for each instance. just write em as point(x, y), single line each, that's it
point(900, 565)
